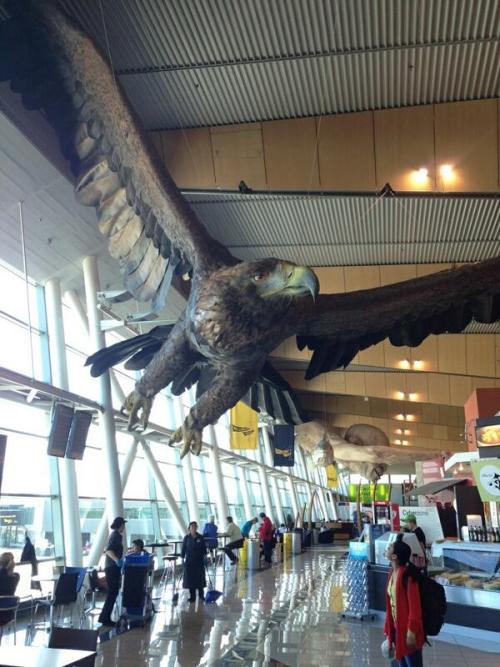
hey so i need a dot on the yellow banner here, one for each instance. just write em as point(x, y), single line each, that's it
point(244, 427)
point(332, 479)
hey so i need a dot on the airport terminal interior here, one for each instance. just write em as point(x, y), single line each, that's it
point(243, 207)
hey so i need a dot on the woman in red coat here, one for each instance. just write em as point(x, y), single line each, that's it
point(403, 627)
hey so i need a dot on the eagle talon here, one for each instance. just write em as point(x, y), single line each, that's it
point(190, 438)
point(135, 403)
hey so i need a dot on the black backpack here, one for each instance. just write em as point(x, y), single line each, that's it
point(433, 603)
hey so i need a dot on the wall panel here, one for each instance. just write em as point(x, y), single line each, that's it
point(238, 155)
point(188, 156)
point(404, 142)
point(290, 152)
point(467, 139)
point(346, 152)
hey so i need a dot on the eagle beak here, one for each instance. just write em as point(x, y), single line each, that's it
point(300, 280)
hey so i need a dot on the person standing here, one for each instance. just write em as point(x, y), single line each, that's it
point(267, 537)
point(193, 554)
point(403, 625)
point(247, 527)
point(236, 540)
point(411, 522)
point(113, 569)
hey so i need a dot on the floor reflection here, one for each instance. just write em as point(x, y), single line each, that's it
point(289, 614)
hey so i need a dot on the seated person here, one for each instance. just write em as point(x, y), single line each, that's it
point(236, 540)
point(8, 582)
point(210, 533)
point(137, 548)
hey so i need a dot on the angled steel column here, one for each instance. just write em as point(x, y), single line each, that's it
point(245, 494)
point(187, 468)
point(78, 309)
point(163, 486)
point(274, 482)
point(59, 371)
point(220, 492)
point(103, 527)
point(114, 504)
point(293, 495)
point(264, 483)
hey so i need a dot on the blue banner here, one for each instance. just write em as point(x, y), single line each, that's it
point(283, 445)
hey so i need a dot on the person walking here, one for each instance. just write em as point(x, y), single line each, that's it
point(403, 625)
point(267, 537)
point(193, 554)
point(236, 540)
point(113, 569)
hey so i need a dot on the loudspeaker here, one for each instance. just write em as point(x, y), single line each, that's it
point(62, 417)
point(3, 447)
point(78, 434)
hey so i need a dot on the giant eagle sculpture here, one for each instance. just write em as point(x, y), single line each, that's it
point(361, 448)
point(237, 312)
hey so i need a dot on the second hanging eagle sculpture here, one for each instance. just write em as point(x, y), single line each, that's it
point(237, 312)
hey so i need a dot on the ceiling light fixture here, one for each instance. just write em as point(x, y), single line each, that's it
point(446, 172)
point(420, 176)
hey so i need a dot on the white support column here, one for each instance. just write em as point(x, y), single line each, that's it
point(274, 484)
point(293, 495)
point(264, 484)
point(103, 528)
point(172, 505)
point(187, 468)
point(114, 505)
point(245, 494)
point(79, 310)
point(69, 490)
point(220, 491)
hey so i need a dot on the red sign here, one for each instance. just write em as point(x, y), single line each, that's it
point(395, 525)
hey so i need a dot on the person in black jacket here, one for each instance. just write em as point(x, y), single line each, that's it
point(411, 522)
point(193, 554)
point(113, 569)
point(8, 582)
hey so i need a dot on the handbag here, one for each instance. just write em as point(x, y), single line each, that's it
point(387, 651)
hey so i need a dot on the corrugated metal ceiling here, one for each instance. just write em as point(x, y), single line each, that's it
point(206, 63)
point(332, 230)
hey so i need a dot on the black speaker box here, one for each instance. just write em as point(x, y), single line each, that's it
point(62, 417)
point(78, 434)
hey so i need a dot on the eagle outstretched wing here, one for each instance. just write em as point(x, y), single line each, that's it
point(338, 326)
point(150, 228)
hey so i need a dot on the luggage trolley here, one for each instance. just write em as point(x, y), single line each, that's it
point(136, 600)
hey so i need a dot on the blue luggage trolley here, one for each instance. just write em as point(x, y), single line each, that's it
point(136, 601)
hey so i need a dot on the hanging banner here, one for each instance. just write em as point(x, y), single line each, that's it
point(283, 445)
point(244, 427)
point(382, 493)
point(487, 476)
point(332, 478)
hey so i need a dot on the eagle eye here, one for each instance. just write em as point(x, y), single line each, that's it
point(259, 276)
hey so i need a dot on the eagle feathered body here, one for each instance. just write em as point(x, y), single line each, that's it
point(237, 312)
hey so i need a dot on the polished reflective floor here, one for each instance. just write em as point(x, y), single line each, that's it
point(289, 614)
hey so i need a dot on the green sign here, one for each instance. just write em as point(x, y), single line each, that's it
point(487, 476)
point(382, 493)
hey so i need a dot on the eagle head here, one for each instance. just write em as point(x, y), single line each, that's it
point(273, 278)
